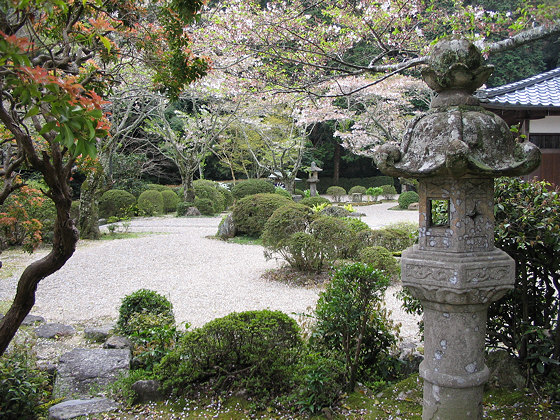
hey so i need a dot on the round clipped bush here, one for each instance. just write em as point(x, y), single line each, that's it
point(336, 236)
point(251, 213)
point(314, 201)
point(407, 198)
point(381, 259)
point(115, 203)
point(253, 351)
point(150, 203)
point(388, 189)
point(357, 189)
point(204, 206)
point(252, 186)
point(336, 192)
point(395, 237)
point(227, 195)
point(297, 191)
point(206, 189)
point(170, 201)
point(157, 187)
point(285, 221)
point(143, 301)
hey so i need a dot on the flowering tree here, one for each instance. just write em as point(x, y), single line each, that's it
point(56, 60)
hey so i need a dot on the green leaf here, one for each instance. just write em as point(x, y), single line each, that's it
point(34, 110)
point(48, 127)
point(105, 42)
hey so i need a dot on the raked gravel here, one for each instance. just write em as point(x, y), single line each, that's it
point(204, 278)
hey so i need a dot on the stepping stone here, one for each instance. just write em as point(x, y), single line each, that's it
point(98, 333)
point(117, 342)
point(83, 370)
point(54, 330)
point(76, 408)
point(33, 319)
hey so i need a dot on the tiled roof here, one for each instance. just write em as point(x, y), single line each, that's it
point(542, 90)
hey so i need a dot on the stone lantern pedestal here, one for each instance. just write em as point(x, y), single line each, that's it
point(313, 179)
point(455, 151)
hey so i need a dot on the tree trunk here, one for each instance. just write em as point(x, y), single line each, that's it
point(88, 221)
point(336, 164)
point(188, 188)
point(64, 244)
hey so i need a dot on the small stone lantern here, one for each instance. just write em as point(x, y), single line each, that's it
point(313, 179)
point(455, 151)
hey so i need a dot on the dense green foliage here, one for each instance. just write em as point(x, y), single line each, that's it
point(283, 192)
point(407, 198)
point(314, 201)
point(350, 324)
point(144, 301)
point(335, 235)
point(252, 186)
point(347, 183)
point(182, 207)
point(209, 190)
point(170, 201)
point(527, 320)
point(381, 259)
point(251, 213)
point(23, 387)
point(157, 187)
point(150, 203)
point(253, 351)
point(116, 203)
point(388, 189)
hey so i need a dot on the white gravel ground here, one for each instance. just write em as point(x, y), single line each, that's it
point(204, 278)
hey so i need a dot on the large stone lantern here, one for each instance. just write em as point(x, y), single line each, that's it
point(313, 179)
point(455, 150)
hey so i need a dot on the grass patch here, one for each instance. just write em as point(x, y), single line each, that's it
point(123, 235)
point(245, 240)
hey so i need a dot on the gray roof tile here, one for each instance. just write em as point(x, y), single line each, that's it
point(542, 90)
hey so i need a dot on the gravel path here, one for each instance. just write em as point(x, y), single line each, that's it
point(204, 278)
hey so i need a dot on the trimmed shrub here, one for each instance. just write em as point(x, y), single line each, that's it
point(255, 351)
point(143, 301)
point(283, 192)
point(396, 237)
point(336, 192)
point(407, 198)
point(335, 236)
point(170, 201)
point(252, 186)
point(347, 183)
point(251, 213)
point(285, 221)
point(182, 207)
point(374, 191)
point(314, 201)
point(228, 196)
point(204, 206)
point(381, 259)
point(389, 190)
point(297, 191)
point(115, 203)
point(206, 189)
point(350, 323)
point(157, 187)
point(150, 203)
point(304, 252)
point(357, 189)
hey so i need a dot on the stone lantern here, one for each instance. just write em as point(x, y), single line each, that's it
point(313, 178)
point(455, 151)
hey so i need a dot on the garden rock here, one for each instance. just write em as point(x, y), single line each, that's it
point(504, 371)
point(335, 211)
point(98, 334)
point(32, 320)
point(414, 206)
point(54, 330)
point(146, 391)
point(227, 228)
point(82, 370)
point(117, 342)
point(77, 408)
point(192, 211)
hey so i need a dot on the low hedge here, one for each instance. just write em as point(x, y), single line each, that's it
point(115, 203)
point(252, 186)
point(150, 203)
point(251, 213)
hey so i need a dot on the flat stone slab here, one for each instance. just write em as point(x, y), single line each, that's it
point(83, 371)
point(54, 330)
point(33, 319)
point(98, 333)
point(76, 408)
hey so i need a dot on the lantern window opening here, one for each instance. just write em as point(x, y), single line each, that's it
point(438, 210)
